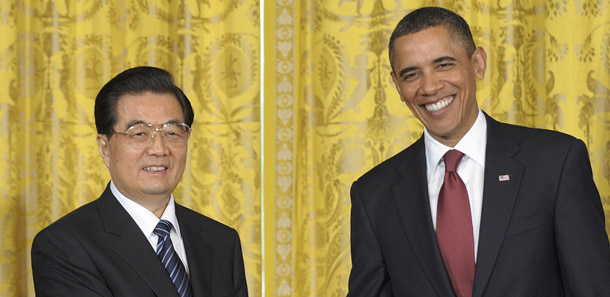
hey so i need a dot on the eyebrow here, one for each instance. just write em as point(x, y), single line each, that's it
point(137, 122)
point(444, 59)
point(436, 61)
point(405, 70)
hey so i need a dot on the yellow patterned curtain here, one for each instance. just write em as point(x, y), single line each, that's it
point(330, 111)
point(336, 113)
point(54, 58)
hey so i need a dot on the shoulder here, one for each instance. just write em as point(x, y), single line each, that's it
point(542, 153)
point(389, 171)
point(532, 134)
point(69, 234)
point(87, 219)
point(532, 139)
point(79, 220)
point(210, 226)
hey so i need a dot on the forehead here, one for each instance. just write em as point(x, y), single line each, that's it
point(427, 45)
point(154, 108)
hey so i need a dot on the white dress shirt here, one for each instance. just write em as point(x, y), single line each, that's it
point(147, 221)
point(471, 169)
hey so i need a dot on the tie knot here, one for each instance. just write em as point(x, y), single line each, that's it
point(452, 159)
point(163, 228)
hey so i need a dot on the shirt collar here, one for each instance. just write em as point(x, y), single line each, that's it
point(144, 218)
point(472, 145)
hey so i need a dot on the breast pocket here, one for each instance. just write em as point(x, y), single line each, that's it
point(518, 226)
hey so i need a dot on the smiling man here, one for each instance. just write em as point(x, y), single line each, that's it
point(475, 207)
point(134, 240)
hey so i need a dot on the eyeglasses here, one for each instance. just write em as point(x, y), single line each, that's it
point(143, 135)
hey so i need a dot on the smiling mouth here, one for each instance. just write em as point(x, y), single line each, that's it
point(440, 104)
point(155, 168)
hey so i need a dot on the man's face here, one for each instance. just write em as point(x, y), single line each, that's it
point(436, 79)
point(153, 172)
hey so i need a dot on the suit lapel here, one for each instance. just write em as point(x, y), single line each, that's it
point(501, 185)
point(198, 253)
point(133, 247)
point(413, 205)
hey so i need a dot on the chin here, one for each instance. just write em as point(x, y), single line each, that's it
point(156, 190)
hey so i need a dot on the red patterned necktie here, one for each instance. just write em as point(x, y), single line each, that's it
point(454, 227)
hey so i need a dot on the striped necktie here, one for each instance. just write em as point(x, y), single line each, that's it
point(170, 259)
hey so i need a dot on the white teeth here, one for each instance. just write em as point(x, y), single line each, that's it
point(155, 168)
point(439, 105)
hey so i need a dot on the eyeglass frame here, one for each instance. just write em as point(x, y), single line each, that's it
point(155, 130)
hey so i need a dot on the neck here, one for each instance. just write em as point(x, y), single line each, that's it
point(155, 205)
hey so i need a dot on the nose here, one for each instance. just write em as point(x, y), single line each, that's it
point(158, 146)
point(430, 84)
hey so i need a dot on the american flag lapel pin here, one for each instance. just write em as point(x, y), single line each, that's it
point(504, 177)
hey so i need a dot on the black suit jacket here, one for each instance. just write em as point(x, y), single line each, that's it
point(99, 250)
point(542, 232)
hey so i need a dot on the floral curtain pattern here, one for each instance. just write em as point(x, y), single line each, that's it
point(548, 67)
point(54, 58)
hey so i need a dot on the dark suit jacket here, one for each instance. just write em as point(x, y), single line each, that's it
point(542, 232)
point(99, 250)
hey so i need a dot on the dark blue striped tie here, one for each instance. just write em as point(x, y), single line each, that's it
point(170, 259)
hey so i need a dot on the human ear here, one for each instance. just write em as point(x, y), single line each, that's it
point(103, 145)
point(479, 58)
point(395, 81)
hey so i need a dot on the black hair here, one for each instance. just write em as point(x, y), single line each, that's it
point(426, 17)
point(135, 81)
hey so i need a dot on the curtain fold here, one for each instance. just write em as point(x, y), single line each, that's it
point(54, 58)
point(548, 67)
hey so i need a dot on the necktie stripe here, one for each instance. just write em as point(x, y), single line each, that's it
point(173, 270)
point(181, 286)
point(166, 258)
point(170, 259)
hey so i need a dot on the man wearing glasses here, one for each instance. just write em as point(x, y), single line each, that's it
point(135, 240)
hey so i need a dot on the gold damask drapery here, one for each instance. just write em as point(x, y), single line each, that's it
point(337, 113)
point(279, 169)
point(54, 58)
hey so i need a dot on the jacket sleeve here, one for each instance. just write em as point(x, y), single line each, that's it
point(368, 277)
point(239, 274)
point(56, 271)
point(580, 233)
